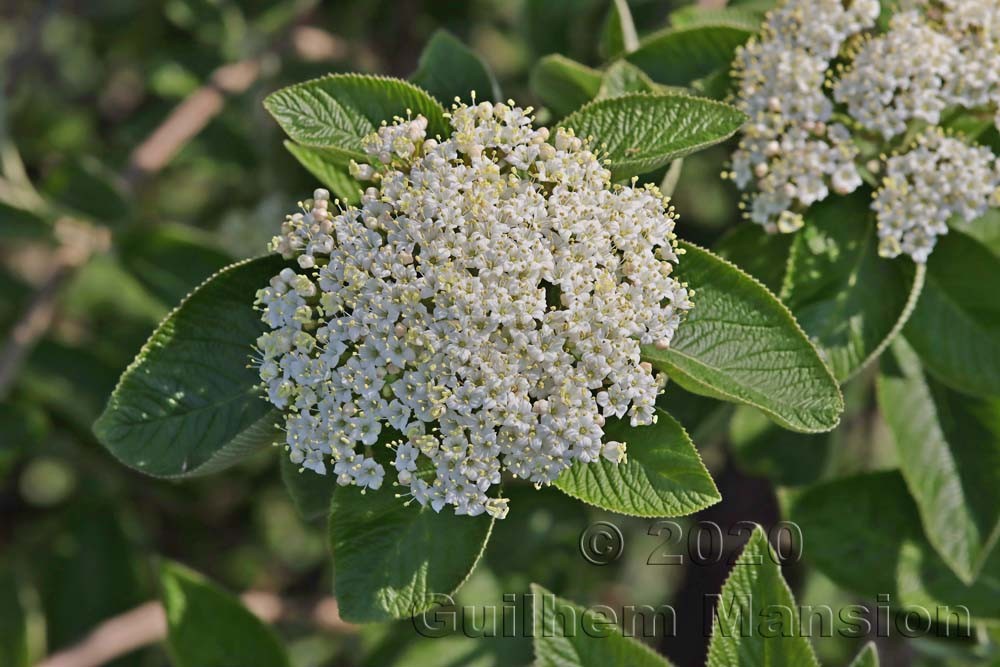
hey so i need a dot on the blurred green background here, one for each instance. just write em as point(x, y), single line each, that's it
point(135, 160)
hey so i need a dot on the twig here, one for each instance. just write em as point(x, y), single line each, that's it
point(188, 119)
point(147, 624)
point(79, 242)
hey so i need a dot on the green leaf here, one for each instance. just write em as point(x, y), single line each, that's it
point(663, 476)
point(868, 657)
point(393, 560)
point(622, 78)
point(564, 85)
point(864, 533)
point(326, 169)
point(956, 326)
point(618, 34)
point(89, 574)
point(310, 492)
point(764, 256)
point(20, 223)
point(448, 69)
point(188, 405)
point(170, 260)
point(740, 344)
point(13, 623)
point(756, 622)
point(850, 301)
point(677, 56)
point(337, 111)
point(748, 18)
point(786, 458)
point(949, 454)
point(207, 627)
point(567, 635)
point(642, 132)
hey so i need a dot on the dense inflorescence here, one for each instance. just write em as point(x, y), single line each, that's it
point(481, 311)
point(832, 103)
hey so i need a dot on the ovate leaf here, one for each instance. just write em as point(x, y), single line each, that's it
point(188, 405)
point(564, 85)
point(740, 344)
point(868, 656)
point(326, 168)
point(663, 476)
point(679, 55)
point(337, 111)
point(756, 622)
point(956, 326)
point(850, 301)
point(642, 132)
point(394, 561)
point(567, 635)
point(448, 69)
point(207, 627)
point(864, 533)
point(949, 454)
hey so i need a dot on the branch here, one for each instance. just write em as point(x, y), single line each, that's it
point(79, 241)
point(147, 624)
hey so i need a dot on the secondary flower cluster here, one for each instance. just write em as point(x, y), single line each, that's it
point(481, 311)
point(818, 126)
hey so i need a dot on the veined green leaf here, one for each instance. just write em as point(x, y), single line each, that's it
point(188, 404)
point(864, 533)
point(680, 55)
point(740, 344)
point(663, 477)
point(642, 132)
point(949, 454)
point(567, 635)
point(956, 325)
point(850, 301)
point(337, 111)
point(327, 170)
point(756, 622)
point(564, 85)
point(393, 560)
point(207, 627)
point(448, 69)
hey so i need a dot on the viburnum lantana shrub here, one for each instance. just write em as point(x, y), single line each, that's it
point(470, 299)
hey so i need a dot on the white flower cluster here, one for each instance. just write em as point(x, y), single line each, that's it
point(936, 55)
point(481, 311)
point(791, 150)
point(938, 178)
